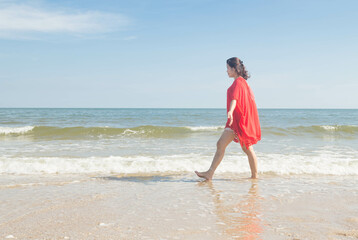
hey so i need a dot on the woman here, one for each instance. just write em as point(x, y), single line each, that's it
point(243, 125)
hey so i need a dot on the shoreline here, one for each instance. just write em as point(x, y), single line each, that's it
point(178, 206)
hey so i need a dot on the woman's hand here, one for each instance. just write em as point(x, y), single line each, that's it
point(229, 116)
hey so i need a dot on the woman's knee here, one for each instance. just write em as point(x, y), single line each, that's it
point(224, 140)
point(246, 150)
point(220, 145)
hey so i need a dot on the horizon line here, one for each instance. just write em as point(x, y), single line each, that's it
point(168, 108)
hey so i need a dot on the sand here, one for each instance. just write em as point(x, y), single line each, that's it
point(178, 206)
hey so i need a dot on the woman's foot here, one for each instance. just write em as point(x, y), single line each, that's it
point(207, 175)
point(254, 176)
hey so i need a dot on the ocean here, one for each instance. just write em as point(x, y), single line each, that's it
point(35, 141)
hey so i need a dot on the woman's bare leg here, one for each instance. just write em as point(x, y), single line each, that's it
point(226, 137)
point(252, 160)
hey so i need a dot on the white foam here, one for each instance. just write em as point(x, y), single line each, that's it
point(328, 127)
point(205, 128)
point(12, 130)
point(129, 131)
point(323, 163)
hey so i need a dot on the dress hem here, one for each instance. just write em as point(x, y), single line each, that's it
point(246, 143)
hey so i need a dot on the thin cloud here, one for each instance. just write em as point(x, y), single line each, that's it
point(24, 20)
point(130, 38)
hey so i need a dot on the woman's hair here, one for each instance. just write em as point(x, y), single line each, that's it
point(238, 65)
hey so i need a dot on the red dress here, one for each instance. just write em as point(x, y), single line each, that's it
point(246, 124)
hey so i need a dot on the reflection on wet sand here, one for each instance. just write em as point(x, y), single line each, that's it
point(239, 218)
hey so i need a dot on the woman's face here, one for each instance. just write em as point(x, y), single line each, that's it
point(231, 71)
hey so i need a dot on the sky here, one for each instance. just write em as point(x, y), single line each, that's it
point(172, 53)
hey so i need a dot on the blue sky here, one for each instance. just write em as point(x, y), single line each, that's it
point(172, 53)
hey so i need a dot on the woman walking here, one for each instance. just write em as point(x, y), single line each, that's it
point(243, 125)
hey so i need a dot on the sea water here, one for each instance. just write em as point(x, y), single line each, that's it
point(157, 140)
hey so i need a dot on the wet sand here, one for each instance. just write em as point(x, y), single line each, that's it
point(178, 206)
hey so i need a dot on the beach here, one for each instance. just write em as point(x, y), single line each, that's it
point(178, 206)
point(113, 114)
point(129, 174)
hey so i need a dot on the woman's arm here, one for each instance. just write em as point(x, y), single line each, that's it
point(231, 110)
